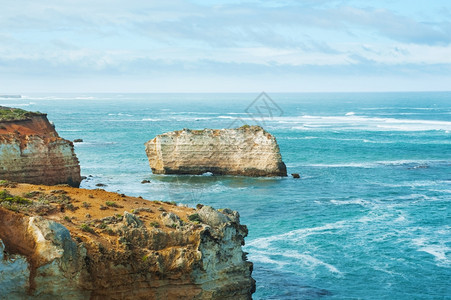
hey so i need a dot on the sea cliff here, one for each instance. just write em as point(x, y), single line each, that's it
point(70, 243)
point(31, 151)
point(246, 151)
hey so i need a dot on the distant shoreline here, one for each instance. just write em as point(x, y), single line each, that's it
point(11, 96)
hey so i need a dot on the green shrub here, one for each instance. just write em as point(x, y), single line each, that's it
point(154, 224)
point(85, 227)
point(71, 207)
point(194, 218)
point(55, 198)
point(170, 202)
point(7, 184)
point(111, 204)
point(5, 196)
point(31, 194)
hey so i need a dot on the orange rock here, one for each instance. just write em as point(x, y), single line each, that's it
point(32, 152)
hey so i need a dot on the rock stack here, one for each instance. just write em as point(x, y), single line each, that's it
point(245, 151)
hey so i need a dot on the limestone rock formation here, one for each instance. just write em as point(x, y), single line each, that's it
point(246, 151)
point(151, 250)
point(31, 150)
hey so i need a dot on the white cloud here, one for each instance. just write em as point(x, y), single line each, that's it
point(101, 38)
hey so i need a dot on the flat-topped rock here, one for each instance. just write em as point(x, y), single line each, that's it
point(245, 151)
point(31, 151)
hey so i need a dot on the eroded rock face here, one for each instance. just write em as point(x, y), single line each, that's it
point(32, 152)
point(41, 258)
point(247, 151)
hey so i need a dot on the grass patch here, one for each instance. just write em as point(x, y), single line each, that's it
point(59, 198)
point(87, 228)
point(112, 204)
point(32, 194)
point(7, 184)
point(5, 196)
point(11, 114)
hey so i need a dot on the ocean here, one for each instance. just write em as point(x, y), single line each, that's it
point(368, 219)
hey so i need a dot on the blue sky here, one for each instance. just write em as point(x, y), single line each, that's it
point(228, 46)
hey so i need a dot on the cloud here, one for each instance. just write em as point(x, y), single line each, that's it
point(224, 25)
point(76, 38)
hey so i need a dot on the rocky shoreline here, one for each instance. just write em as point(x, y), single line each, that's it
point(60, 241)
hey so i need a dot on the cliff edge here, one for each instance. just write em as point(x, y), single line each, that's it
point(69, 243)
point(32, 152)
point(246, 151)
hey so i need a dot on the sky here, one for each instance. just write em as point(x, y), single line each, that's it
point(224, 46)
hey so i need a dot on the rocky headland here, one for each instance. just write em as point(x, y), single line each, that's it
point(245, 151)
point(69, 243)
point(31, 151)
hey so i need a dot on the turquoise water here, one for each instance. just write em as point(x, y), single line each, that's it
point(369, 218)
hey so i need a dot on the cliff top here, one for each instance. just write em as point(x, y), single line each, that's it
point(252, 128)
point(19, 121)
point(90, 215)
point(248, 129)
point(16, 114)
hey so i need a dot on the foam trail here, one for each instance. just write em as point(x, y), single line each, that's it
point(352, 121)
point(295, 234)
point(310, 260)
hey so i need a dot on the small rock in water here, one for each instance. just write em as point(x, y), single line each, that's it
point(78, 141)
point(100, 184)
point(145, 181)
point(295, 175)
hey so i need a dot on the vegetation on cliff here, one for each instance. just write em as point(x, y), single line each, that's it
point(133, 249)
point(16, 114)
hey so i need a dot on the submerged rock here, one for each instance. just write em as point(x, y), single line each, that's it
point(32, 152)
point(247, 151)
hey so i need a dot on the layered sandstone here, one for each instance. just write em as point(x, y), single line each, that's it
point(246, 151)
point(91, 244)
point(32, 152)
